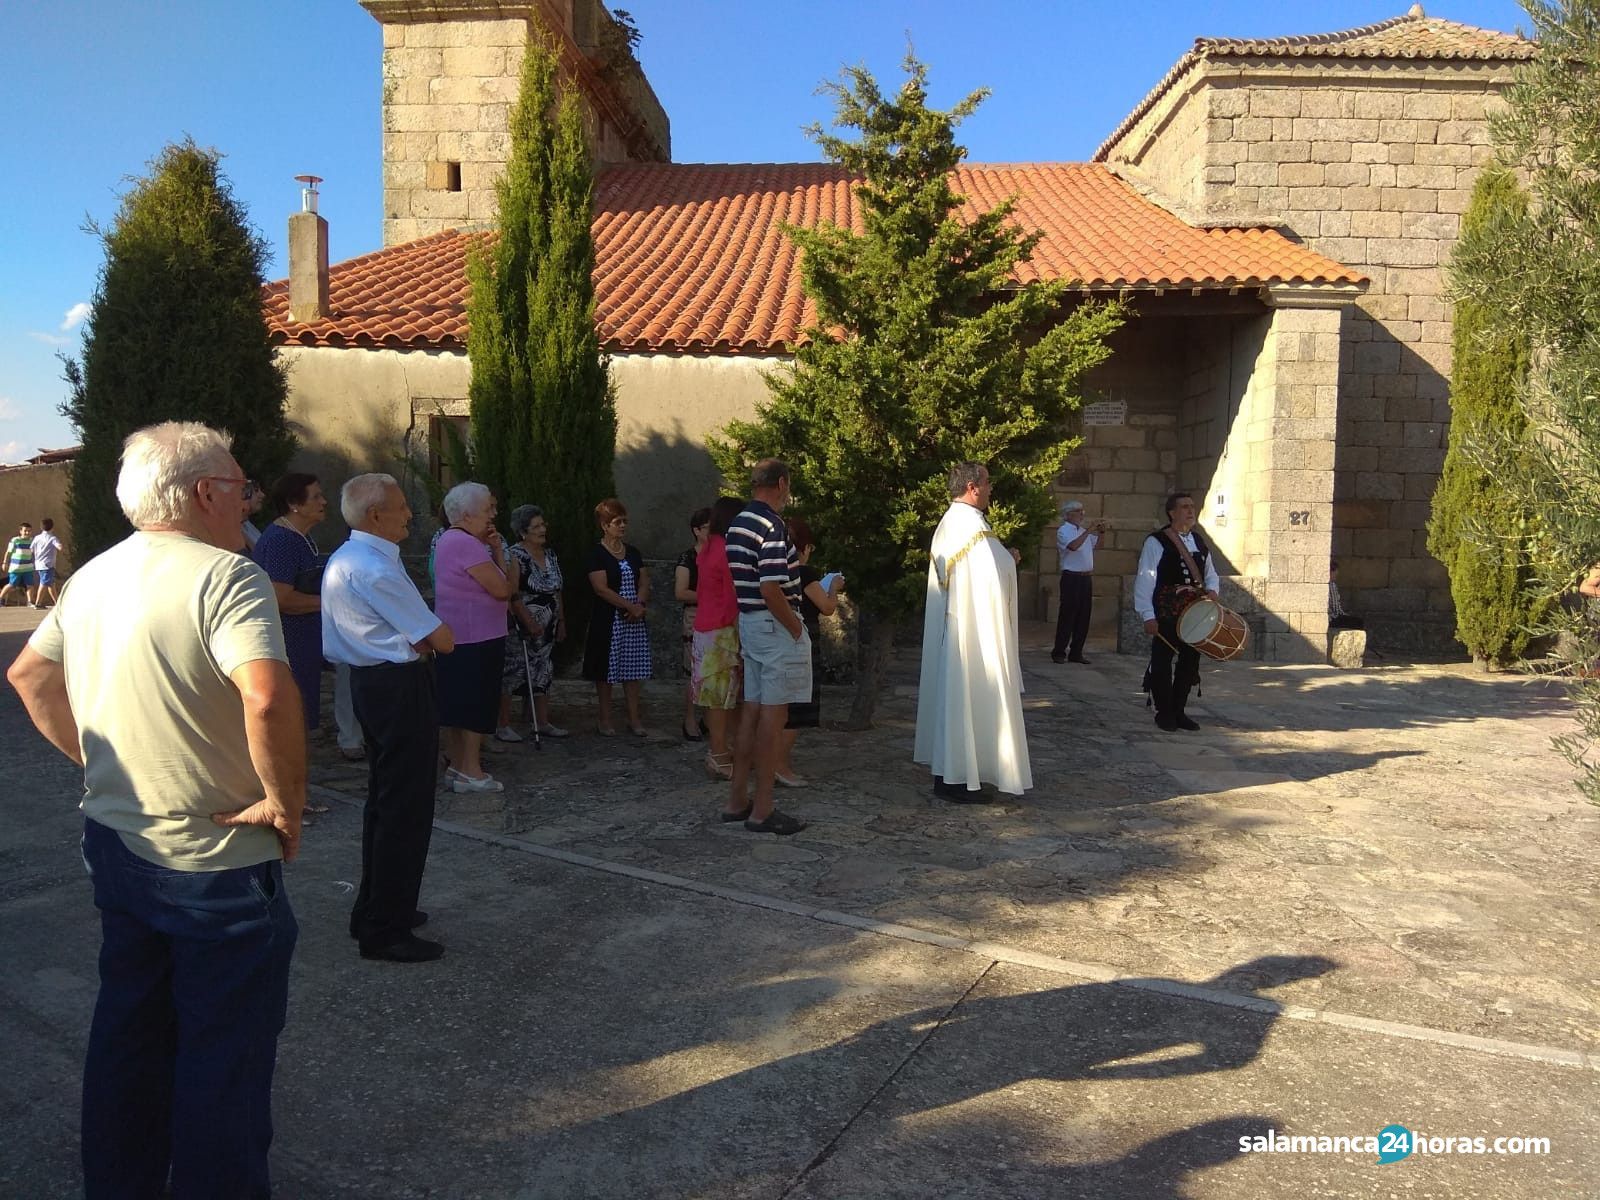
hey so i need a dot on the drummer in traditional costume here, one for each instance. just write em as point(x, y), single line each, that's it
point(1175, 568)
point(969, 701)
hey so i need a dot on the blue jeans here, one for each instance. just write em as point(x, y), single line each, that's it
point(194, 986)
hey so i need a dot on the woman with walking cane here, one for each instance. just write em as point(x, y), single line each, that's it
point(538, 622)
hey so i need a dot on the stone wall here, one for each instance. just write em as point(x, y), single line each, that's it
point(667, 405)
point(356, 410)
point(1370, 164)
point(1170, 144)
point(448, 88)
point(1120, 472)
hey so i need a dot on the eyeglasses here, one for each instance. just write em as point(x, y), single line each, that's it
point(224, 479)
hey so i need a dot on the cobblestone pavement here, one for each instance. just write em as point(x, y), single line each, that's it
point(1410, 823)
point(688, 1010)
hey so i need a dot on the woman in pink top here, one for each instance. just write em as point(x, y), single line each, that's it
point(718, 671)
point(472, 583)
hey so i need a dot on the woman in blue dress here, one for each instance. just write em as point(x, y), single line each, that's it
point(287, 554)
point(617, 649)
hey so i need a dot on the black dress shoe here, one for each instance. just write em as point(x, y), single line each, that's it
point(1167, 722)
point(409, 949)
point(1058, 658)
point(1187, 723)
point(958, 794)
point(418, 920)
point(1078, 658)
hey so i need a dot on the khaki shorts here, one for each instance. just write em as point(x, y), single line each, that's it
point(777, 666)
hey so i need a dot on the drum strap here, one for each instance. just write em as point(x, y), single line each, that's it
point(1188, 559)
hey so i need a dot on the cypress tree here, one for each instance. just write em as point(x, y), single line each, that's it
point(543, 417)
point(1479, 521)
point(176, 333)
point(925, 352)
point(1536, 268)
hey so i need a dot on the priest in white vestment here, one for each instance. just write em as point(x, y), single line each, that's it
point(969, 700)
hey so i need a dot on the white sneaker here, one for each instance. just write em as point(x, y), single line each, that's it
point(552, 731)
point(465, 783)
point(507, 734)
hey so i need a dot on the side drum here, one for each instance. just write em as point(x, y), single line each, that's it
point(1215, 631)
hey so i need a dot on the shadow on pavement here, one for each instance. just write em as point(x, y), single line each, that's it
point(943, 1111)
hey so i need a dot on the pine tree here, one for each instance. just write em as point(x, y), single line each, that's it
point(1479, 522)
point(176, 333)
point(925, 353)
point(544, 419)
point(1538, 270)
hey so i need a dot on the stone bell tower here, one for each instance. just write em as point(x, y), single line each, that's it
point(450, 74)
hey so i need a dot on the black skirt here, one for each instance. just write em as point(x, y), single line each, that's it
point(809, 714)
point(469, 685)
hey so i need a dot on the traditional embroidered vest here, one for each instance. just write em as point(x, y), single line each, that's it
point(1172, 573)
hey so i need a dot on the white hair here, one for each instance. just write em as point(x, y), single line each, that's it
point(360, 494)
point(162, 465)
point(465, 499)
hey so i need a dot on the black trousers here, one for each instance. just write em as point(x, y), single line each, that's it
point(399, 718)
point(1072, 620)
point(1169, 687)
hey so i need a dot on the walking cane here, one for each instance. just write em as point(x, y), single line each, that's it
point(527, 677)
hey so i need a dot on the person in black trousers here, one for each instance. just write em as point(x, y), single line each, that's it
point(374, 618)
point(1075, 543)
point(1175, 567)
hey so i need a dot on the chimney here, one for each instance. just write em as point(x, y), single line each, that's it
point(308, 256)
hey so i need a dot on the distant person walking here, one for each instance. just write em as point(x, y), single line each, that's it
point(46, 547)
point(163, 673)
point(19, 565)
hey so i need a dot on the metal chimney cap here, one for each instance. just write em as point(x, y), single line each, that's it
point(308, 192)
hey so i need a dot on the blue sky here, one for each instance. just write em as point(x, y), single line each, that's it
point(92, 89)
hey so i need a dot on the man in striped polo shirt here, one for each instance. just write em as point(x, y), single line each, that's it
point(773, 642)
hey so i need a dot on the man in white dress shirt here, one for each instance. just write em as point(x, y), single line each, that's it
point(374, 619)
point(1075, 543)
point(1175, 568)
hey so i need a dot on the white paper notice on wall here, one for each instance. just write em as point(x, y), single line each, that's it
point(1105, 412)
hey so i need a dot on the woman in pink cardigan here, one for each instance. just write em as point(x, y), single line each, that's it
point(718, 675)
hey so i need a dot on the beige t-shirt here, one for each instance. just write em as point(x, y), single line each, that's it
point(149, 633)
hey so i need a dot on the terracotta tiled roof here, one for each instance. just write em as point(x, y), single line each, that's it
point(692, 257)
point(1413, 36)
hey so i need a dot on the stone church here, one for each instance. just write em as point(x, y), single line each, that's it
point(1277, 212)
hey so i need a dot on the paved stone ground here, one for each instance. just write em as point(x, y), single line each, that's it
point(1411, 823)
point(1400, 845)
